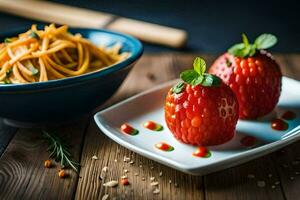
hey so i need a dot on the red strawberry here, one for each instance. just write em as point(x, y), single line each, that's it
point(252, 74)
point(202, 110)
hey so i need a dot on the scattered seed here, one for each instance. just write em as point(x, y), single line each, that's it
point(112, 183)
point(151, 167)
point(126, 159)
point(261, 183)
point(152, 178)
point(156, 191)
point(170, 181)
point(160, 173)
point(125, 181)
point(116, 160)
point(277, 183)
point(141, 166)
point(143, 179)
point(292, 178)
point(270, 175)
point(123, 177)
point(103, 172)
point(131, 162)
point(48, 163)
point(297, 173)
point(251, 176)
point(273, 186)
point(62, 174)
point(175, 184)
point(136, 174)
point(154, 183)
point(126, 171)
point(105, 197)
point(95, 157)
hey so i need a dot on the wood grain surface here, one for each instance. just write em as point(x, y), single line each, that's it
point(22, 175)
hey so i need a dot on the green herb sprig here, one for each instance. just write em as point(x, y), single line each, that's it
point(245, 49)
point(197, 76)
point(60, 151)
point(34, 34)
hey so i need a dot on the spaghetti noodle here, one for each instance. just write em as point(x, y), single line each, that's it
point(52, 53)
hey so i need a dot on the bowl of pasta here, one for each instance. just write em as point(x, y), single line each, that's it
point(53, 74)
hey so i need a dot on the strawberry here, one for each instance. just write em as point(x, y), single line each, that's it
point(201, 109)
point(252, 74)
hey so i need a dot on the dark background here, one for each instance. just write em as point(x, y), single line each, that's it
point(213, 26)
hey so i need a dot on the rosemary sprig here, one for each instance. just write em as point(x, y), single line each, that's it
point(60, 151)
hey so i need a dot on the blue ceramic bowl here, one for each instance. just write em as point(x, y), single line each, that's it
point(65, 99)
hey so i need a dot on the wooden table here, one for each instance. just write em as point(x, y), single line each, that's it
point(23, 176)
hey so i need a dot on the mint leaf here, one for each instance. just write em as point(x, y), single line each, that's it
point(199, 65)
point(237, 50)
point(188, 76)
point(252, 49)
point(244, 49)
point(7, 81)
point(33, 70)
point(33, 34)
point(178, 88)
point(7, 40)
point(265, 41)
point(211, 80)
point(8, 72)
point(245, 39)
point(197, 80)
point(197, 76)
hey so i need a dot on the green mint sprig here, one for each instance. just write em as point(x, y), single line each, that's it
point(264, 41)
point(197, 76)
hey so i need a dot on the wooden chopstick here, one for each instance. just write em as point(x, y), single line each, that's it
point(79, 17)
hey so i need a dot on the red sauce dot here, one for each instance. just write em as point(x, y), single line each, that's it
point(279, 125)
point(153, 126)
point(289, 115)
point(248, 141)
point(124, 181)
point(164, 146)
point(200, 152)
point(150, 125)
point(126, 128)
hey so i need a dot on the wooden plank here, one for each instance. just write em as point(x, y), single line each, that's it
point(239, 183)
point(287, 162)
point(22, 172)
point(150, 71)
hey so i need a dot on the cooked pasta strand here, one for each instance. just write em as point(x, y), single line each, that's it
point(39, 55)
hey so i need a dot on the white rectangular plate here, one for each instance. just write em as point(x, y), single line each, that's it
point(149, 106)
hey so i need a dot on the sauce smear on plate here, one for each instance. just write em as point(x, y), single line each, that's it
point(202, 152)
point(126, 128)
point(164, 146)
point(279, 125)
point(153, 126)
point(289, 115)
